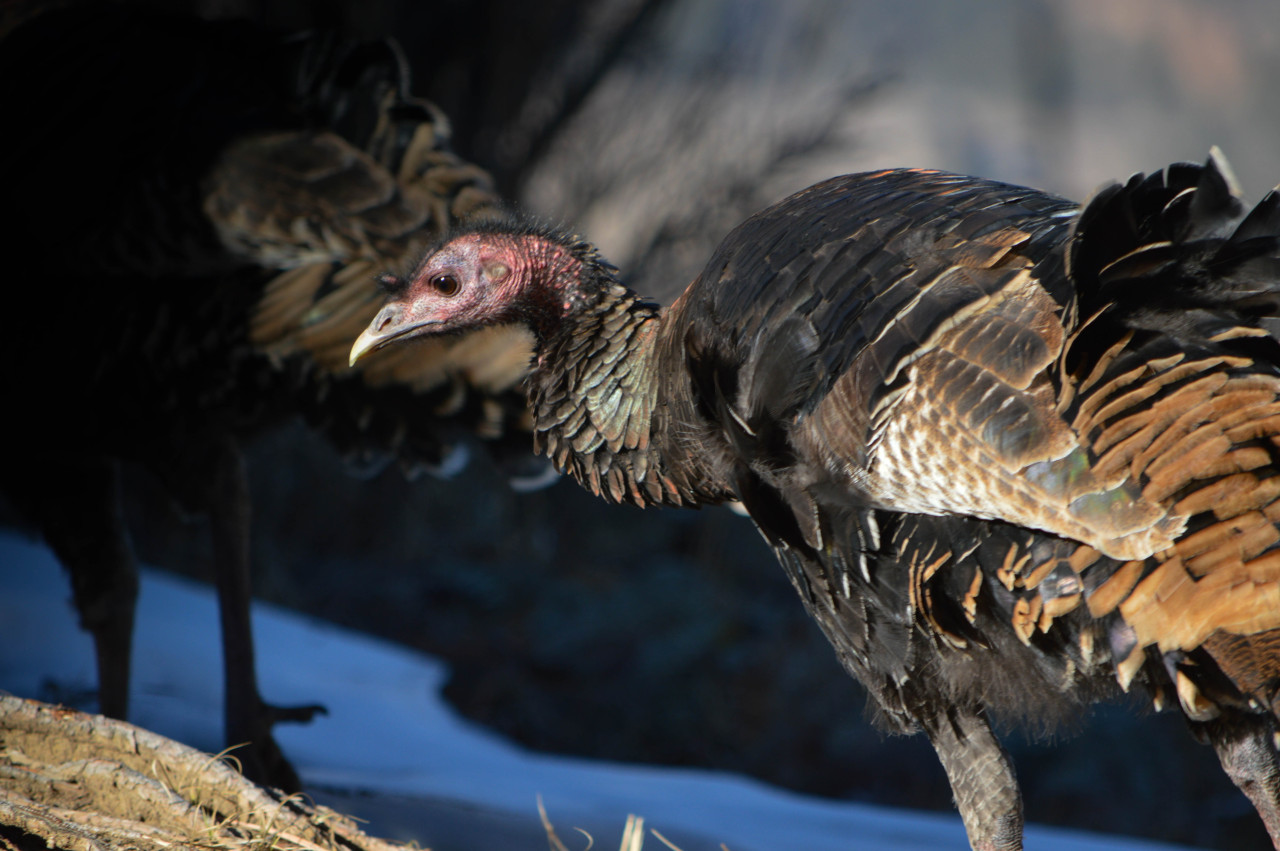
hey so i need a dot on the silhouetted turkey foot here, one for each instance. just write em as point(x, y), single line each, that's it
point(295, 714)
point(261, 760)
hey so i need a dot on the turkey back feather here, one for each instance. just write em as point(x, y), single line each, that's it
point(1179, 281)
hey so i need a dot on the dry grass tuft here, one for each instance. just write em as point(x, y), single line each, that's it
point(632, 834)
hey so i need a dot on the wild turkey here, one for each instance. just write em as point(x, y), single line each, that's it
point(199, 213)
point(1015, 455)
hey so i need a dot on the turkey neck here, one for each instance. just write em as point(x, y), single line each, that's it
point(598, 391)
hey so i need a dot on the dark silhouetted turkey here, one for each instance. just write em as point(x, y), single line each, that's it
point(1015, 455)
point(198, 216)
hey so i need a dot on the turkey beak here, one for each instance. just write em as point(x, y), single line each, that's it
point(387, 327)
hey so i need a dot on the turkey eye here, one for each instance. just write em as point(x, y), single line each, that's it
point(445, 284)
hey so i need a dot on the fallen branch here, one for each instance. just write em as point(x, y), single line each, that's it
point(70, 781)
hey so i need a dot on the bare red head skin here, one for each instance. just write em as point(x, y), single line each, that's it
point(475, 280)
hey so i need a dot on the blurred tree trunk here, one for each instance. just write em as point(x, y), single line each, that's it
point(1044, 56)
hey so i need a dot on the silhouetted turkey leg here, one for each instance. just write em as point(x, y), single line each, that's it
point(84, 526)
point(982, 780)
point(248, 718)
point(1246, 748)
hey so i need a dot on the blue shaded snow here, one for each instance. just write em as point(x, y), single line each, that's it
point(389, 731)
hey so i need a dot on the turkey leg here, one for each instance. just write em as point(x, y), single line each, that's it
point(982, 779)
point(249, 719)
point(83, 524)
point(1245, 745)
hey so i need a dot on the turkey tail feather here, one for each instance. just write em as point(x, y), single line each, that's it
point(1178, 251)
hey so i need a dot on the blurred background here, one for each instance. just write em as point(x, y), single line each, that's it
point(654, 127)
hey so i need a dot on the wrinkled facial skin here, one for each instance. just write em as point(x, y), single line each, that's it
point(467, 284)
